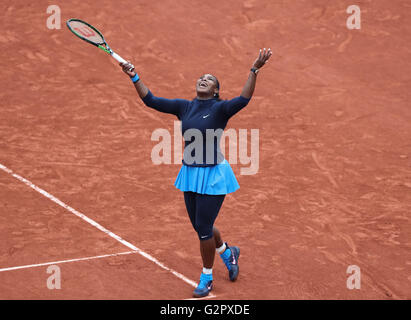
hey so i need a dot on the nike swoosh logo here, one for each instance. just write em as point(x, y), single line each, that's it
point(205, 116)
point(202, 237)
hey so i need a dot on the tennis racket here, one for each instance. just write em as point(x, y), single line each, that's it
point(90, 34)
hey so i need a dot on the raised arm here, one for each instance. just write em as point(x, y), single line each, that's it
point(249, 86)
point(173, 106)
point(142, 90)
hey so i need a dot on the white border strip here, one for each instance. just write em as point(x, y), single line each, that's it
point(98, 226)
point(65, 261)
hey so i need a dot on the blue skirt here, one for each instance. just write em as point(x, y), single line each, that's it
point(218, 179)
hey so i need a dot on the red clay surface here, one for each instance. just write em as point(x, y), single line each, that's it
point(334, 183)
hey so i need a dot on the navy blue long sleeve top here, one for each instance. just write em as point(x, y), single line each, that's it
point(202, 124)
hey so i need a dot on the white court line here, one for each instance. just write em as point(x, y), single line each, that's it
point(98, 226)
point(210, 296)
point(65, 261)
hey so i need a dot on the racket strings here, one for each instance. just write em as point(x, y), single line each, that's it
point(84, 31)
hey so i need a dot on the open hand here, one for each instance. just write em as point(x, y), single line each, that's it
point(262, 58)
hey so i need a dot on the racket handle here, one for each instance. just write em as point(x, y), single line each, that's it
point(118, 58)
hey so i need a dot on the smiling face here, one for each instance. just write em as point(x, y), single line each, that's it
point(207, 85)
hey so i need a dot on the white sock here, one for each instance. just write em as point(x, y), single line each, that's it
point(221, 249)
point(207, 271)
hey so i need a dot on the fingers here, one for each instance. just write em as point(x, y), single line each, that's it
point(263, 56)
point(266, 54)
point(127, 67)
point(269, 53)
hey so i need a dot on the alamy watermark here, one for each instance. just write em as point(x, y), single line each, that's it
point(194, 152)
point(354, 20)
point(54, 281)
point(201, 146)
point(54, 20)
point(354, 280)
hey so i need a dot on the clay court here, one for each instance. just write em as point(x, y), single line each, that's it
point(333, 187)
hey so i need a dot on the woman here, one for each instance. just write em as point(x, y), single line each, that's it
point(205, 177)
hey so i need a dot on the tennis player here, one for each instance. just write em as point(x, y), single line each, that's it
point(205, 176)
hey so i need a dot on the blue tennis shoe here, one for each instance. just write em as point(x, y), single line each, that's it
point(230, 257)
point(204, 287)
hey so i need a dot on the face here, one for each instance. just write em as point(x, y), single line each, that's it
point(206, 85)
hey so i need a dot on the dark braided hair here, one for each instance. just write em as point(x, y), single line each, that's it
point(217, 95)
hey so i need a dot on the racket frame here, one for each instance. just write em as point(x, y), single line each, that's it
point(103, 46)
